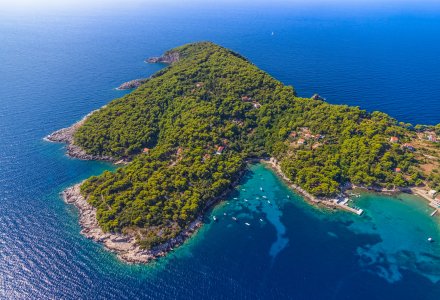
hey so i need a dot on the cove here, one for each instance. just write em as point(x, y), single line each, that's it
point(298, 247)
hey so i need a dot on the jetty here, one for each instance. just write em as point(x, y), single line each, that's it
point(342, 202)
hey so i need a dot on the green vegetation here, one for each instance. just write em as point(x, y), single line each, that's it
point(213, 97)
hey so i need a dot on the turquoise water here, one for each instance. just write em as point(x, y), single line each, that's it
point(57, 68)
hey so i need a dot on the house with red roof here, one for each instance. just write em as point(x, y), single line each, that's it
point(394, 139)
point(220, 150)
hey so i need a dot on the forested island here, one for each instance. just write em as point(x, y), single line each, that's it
point(186, 134)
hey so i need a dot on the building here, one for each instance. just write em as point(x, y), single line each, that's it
point(432, 138)
point(394, 139)
point(316, 145)
point(301, 142)
point(409, 147)
point(246, 99)
point(146, 150)
point(220, 150)
point(398, 170)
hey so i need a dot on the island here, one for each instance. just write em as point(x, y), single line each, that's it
point(186, 135)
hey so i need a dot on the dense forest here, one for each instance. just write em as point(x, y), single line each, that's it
point(189, 129)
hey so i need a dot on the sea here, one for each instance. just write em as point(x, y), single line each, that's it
point(57, 67)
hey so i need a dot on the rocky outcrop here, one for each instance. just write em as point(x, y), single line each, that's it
point(167, 58)
point(65, 135)
point(124, 245)
point(132, 84)
point(317, 97)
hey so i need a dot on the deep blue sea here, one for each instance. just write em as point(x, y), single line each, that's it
point(55, 68)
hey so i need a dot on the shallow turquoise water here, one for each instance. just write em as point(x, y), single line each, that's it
point(383, 253)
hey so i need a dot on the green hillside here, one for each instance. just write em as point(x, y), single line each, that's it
point(214, 100)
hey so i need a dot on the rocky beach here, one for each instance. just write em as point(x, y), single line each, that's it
point(65, 135)
point(124, 245)
point(132, 84)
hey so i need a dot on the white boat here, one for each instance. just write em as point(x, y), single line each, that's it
point(224, 214)
point(261, 188)
point(430, 239)
point(214, 218)
point(264, 197)
point(247, 224)
point(288, 197)
point(234, 218)
point(235, 198)
point(268, 201)
point(272, 33)
point(246, 200)
point(261, 220)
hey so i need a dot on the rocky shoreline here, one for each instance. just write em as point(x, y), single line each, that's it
point(132, 84)
point(167, 58)
point(422, 192)
point(65, 135)
point(124, 245)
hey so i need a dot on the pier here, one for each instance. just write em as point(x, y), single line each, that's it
point(342, 203)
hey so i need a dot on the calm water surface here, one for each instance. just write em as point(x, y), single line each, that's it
point(55, 69)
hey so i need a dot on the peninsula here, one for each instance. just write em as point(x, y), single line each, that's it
point(186, 133)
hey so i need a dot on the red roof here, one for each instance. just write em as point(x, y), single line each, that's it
point(394, 139)
point(397, 170)
point(146, 150)
point(220, 149)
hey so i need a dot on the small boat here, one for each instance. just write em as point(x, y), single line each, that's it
point(234, 218)
point(261, 188)
point(224, 214)
point(247, 224)
point(261, 220)
point(214, 218)
point(268, 201)
point(288, 197)
point(272, 33)
point(244, 190)
point(257, 198)
point(246, 200)
point(430, 239)
point(235, 198)
point(264, 197)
